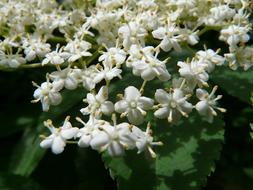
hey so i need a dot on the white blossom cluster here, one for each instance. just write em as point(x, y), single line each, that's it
point(93, 47)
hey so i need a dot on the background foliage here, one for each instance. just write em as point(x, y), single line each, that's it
point(193, 148)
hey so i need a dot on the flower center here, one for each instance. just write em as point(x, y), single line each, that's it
point(173, 104)
point(133, 104)
point(114, 136)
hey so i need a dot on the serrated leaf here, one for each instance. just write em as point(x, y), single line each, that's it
point(184, 162)
point(236, 83)
point(28, 153)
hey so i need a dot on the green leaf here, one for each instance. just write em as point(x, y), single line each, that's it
point(28, 153)
point(251, 133)
point(14, 122)
point(184, 162)
point(236, 83)
point(14, 182)
point(249, 172)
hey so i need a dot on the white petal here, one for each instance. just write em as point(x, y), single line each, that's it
point(245, 38)
point(115, 149)
point(46, 143)
point(135, 117)
point(58, 85)
point(55, 98)
point(69, 133)
point(45, 61)
point(66, 124)
point(84, 141)
point(45, 104)
point(113, 73)
point(71, 83)
point(30, 56)
point(99, 77)
point(141, 145)
point(161, 96)
point(178, 94)
point(162, 113)
point(90, 98)
point(58, 145)
point(120, 58)
point(187, 107)
point(140, 65)
point(166, 44)
point(145, 103)
point(148, 74)
point(57, 60)
point(73, 58)
point(175, 45)
point(159, 33)
point(37, 93)
point(201, 94)
point(99, 140)
point(121, 106)
point(164, 75)
point(202, 107)
point(86, 54)
point(89, 84)
point(102, 94)
point(107, 108)
point(131, 93)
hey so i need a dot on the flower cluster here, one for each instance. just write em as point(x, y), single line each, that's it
point(93, 47)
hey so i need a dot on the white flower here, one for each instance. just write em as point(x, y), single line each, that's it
point(170, 37)
point(35, 47)
point(56, 57)
point(64, 78)
point(148, 18)
point(86, 76)
point(83, 30)
point(48, 94)
point(132, 33)
point(11, 60)
point(210, 58)
point(147, 65)
point(88, 130)
point(107, 72)
point(107, 23)
point(77, 49)
point(8, 42)
point(134, 105)
point(219, 14)
point(234, 34)
point(98, 104)
point(242, 57)
point(57, 140)
point(60, 21)
point(189, 36)
point(115, 139)
point(114, 56)
point(194, 72)
point(186, 5)
point(172, 105)
point(144, 140)
point(207, 103)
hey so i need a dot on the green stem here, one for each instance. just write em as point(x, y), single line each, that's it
point(31, 66)
point(208, 28)
point(90, 39)
point(95, 55)
point(57, 39)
